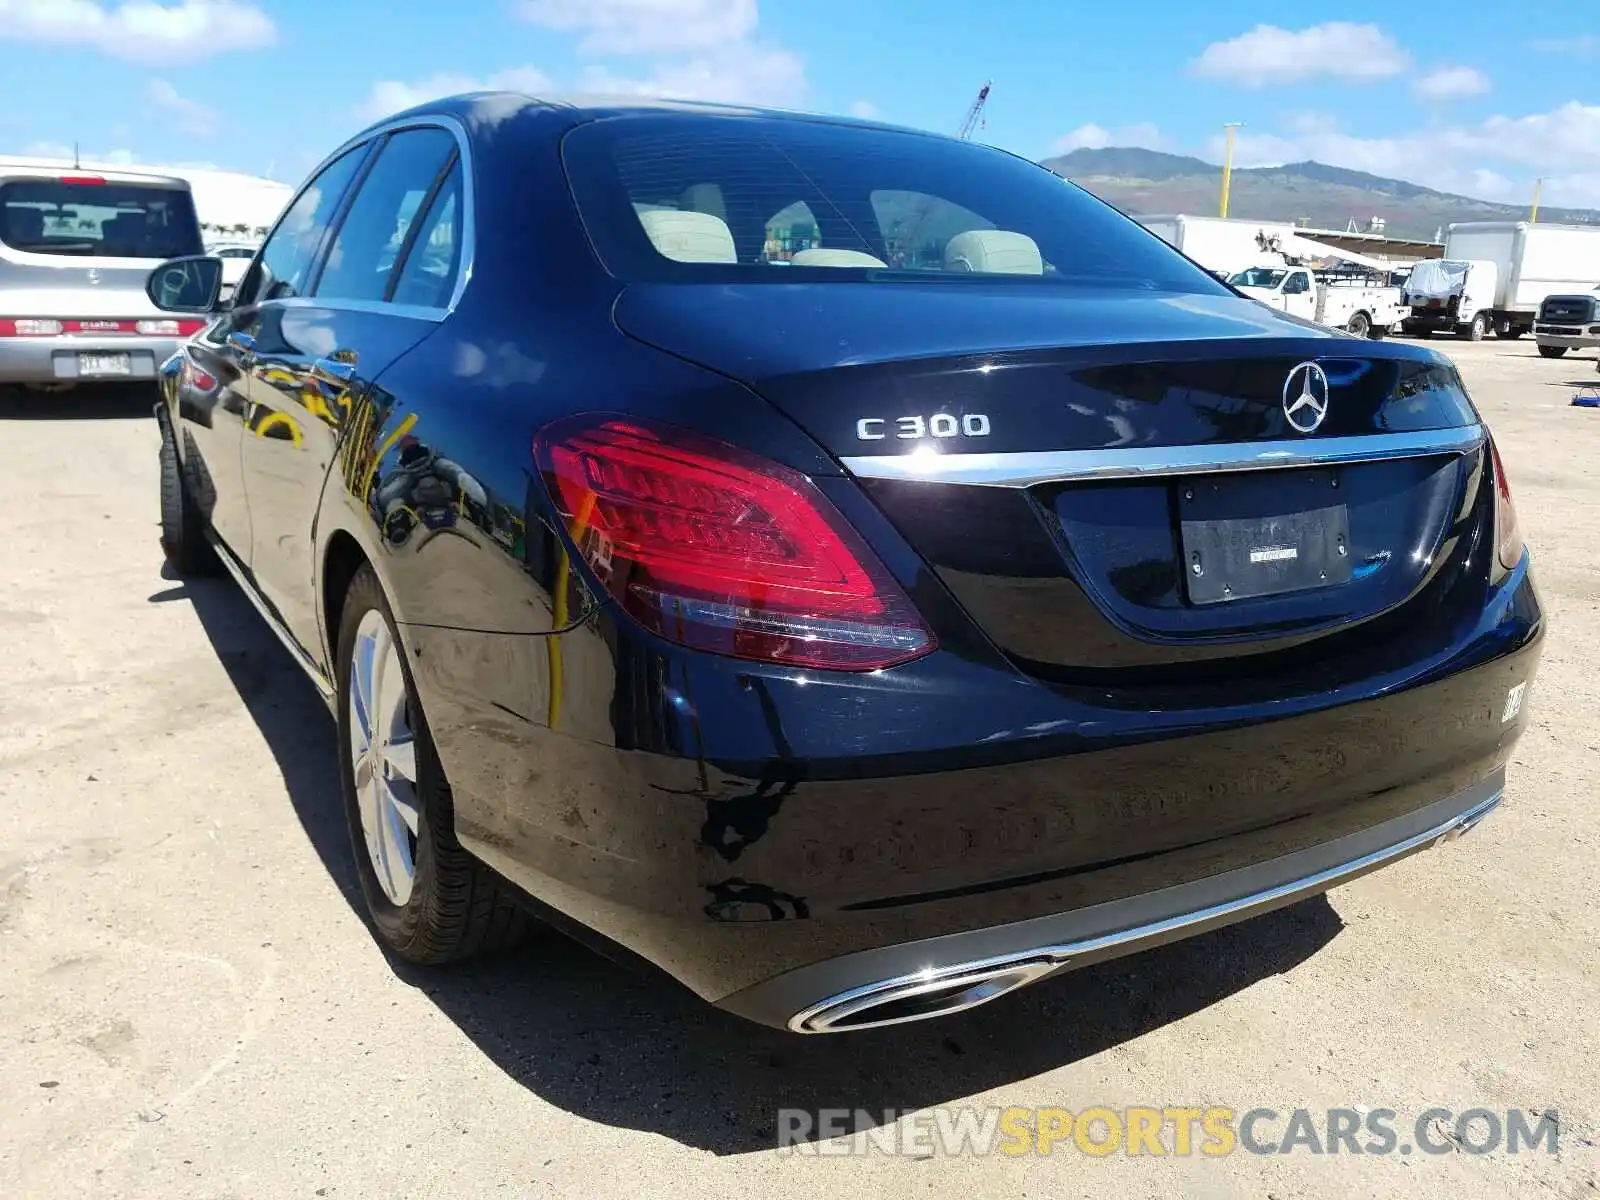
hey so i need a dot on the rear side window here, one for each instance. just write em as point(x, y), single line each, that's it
point(428, 277)
point(284, 267)
point(373, 231)
point(681, 198)
point(90, 218)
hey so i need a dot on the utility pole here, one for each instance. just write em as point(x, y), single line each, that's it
point(1227, 164)
point(1538, 186)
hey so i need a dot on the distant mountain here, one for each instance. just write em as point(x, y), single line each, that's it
point(1149, 181)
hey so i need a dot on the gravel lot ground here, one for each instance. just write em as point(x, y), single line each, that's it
point(192, 1006)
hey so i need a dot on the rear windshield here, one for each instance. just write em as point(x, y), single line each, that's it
point(768, 200)
point(108, 220)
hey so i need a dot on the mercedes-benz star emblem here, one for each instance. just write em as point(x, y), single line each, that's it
point(1305, 397)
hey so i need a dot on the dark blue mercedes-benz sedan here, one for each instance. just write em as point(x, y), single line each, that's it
point(849, 569)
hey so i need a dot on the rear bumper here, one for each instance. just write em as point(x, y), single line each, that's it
point(55, 359)
point(737, 825)
point(917, 980)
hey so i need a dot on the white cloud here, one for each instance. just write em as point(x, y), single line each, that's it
point(392, 95)
point(1098, 137)
point(190, 116)
point(1452, 83)
point(1268, 55)
point(866, 110)
point(139, 29)
point(1493, 159)
point(47, 149)
point(697, 49)
point(61, 152)
point(750, 75)
point(1579, 44)
point(645, 26)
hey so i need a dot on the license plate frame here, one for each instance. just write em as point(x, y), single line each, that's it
point(103, 364)
point(1245, 547)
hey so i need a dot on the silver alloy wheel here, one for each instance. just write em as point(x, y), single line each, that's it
point(383, 756)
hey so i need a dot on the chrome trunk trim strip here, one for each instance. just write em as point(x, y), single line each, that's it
point(1026, 468)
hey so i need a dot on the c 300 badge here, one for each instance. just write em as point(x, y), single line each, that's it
point(939, 425)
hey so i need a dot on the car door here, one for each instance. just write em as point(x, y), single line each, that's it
point(316, 354)
point(211, 410)
point(1299, 296)
point(216, 397)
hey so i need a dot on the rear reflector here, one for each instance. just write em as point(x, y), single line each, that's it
point(52, 326)
point(1507, 532)
point(29, 327)
point(719, 549)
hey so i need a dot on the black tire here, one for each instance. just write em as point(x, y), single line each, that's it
point(1475, 329)
point(183, 535)
point(1360, 325)
point(1508, 331)
point(1551, 351)
point(1377, 333)
point(458, 907)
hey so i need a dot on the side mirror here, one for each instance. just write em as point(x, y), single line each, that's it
point(190, 284)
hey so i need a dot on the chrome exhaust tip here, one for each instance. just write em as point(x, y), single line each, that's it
point(929, 993)
point(1470, 820)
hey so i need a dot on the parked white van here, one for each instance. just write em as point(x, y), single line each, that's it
point(76, 247)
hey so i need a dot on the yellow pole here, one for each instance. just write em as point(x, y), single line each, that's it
point(1538, 185)
point(580, 523)
point(1227, 164)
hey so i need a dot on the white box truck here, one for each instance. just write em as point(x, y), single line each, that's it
point(1220, 245)
point(1532, 262)
point(1448, 295)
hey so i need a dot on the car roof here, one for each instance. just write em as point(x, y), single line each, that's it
point(473, 108)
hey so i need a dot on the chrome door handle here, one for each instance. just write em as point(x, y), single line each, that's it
point(334, 369)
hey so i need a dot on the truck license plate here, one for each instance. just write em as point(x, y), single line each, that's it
point(105, 364)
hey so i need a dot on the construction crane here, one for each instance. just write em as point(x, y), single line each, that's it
point(973, 113)
point(912, 228)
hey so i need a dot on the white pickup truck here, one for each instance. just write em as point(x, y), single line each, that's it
point(1354, 303)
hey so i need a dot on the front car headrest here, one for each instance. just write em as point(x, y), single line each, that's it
point(993, 252)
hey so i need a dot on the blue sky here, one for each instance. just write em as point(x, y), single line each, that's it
point(1464, 96)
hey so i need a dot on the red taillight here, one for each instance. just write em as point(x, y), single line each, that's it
point(84, 180)
point(1507, 532)
point(197, 377)
point(721, 550)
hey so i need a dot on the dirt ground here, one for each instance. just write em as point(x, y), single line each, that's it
point(190, 1004)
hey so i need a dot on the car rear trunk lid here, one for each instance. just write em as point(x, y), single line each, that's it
point(1115, 483)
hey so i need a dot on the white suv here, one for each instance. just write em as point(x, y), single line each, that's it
point(76, 247)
